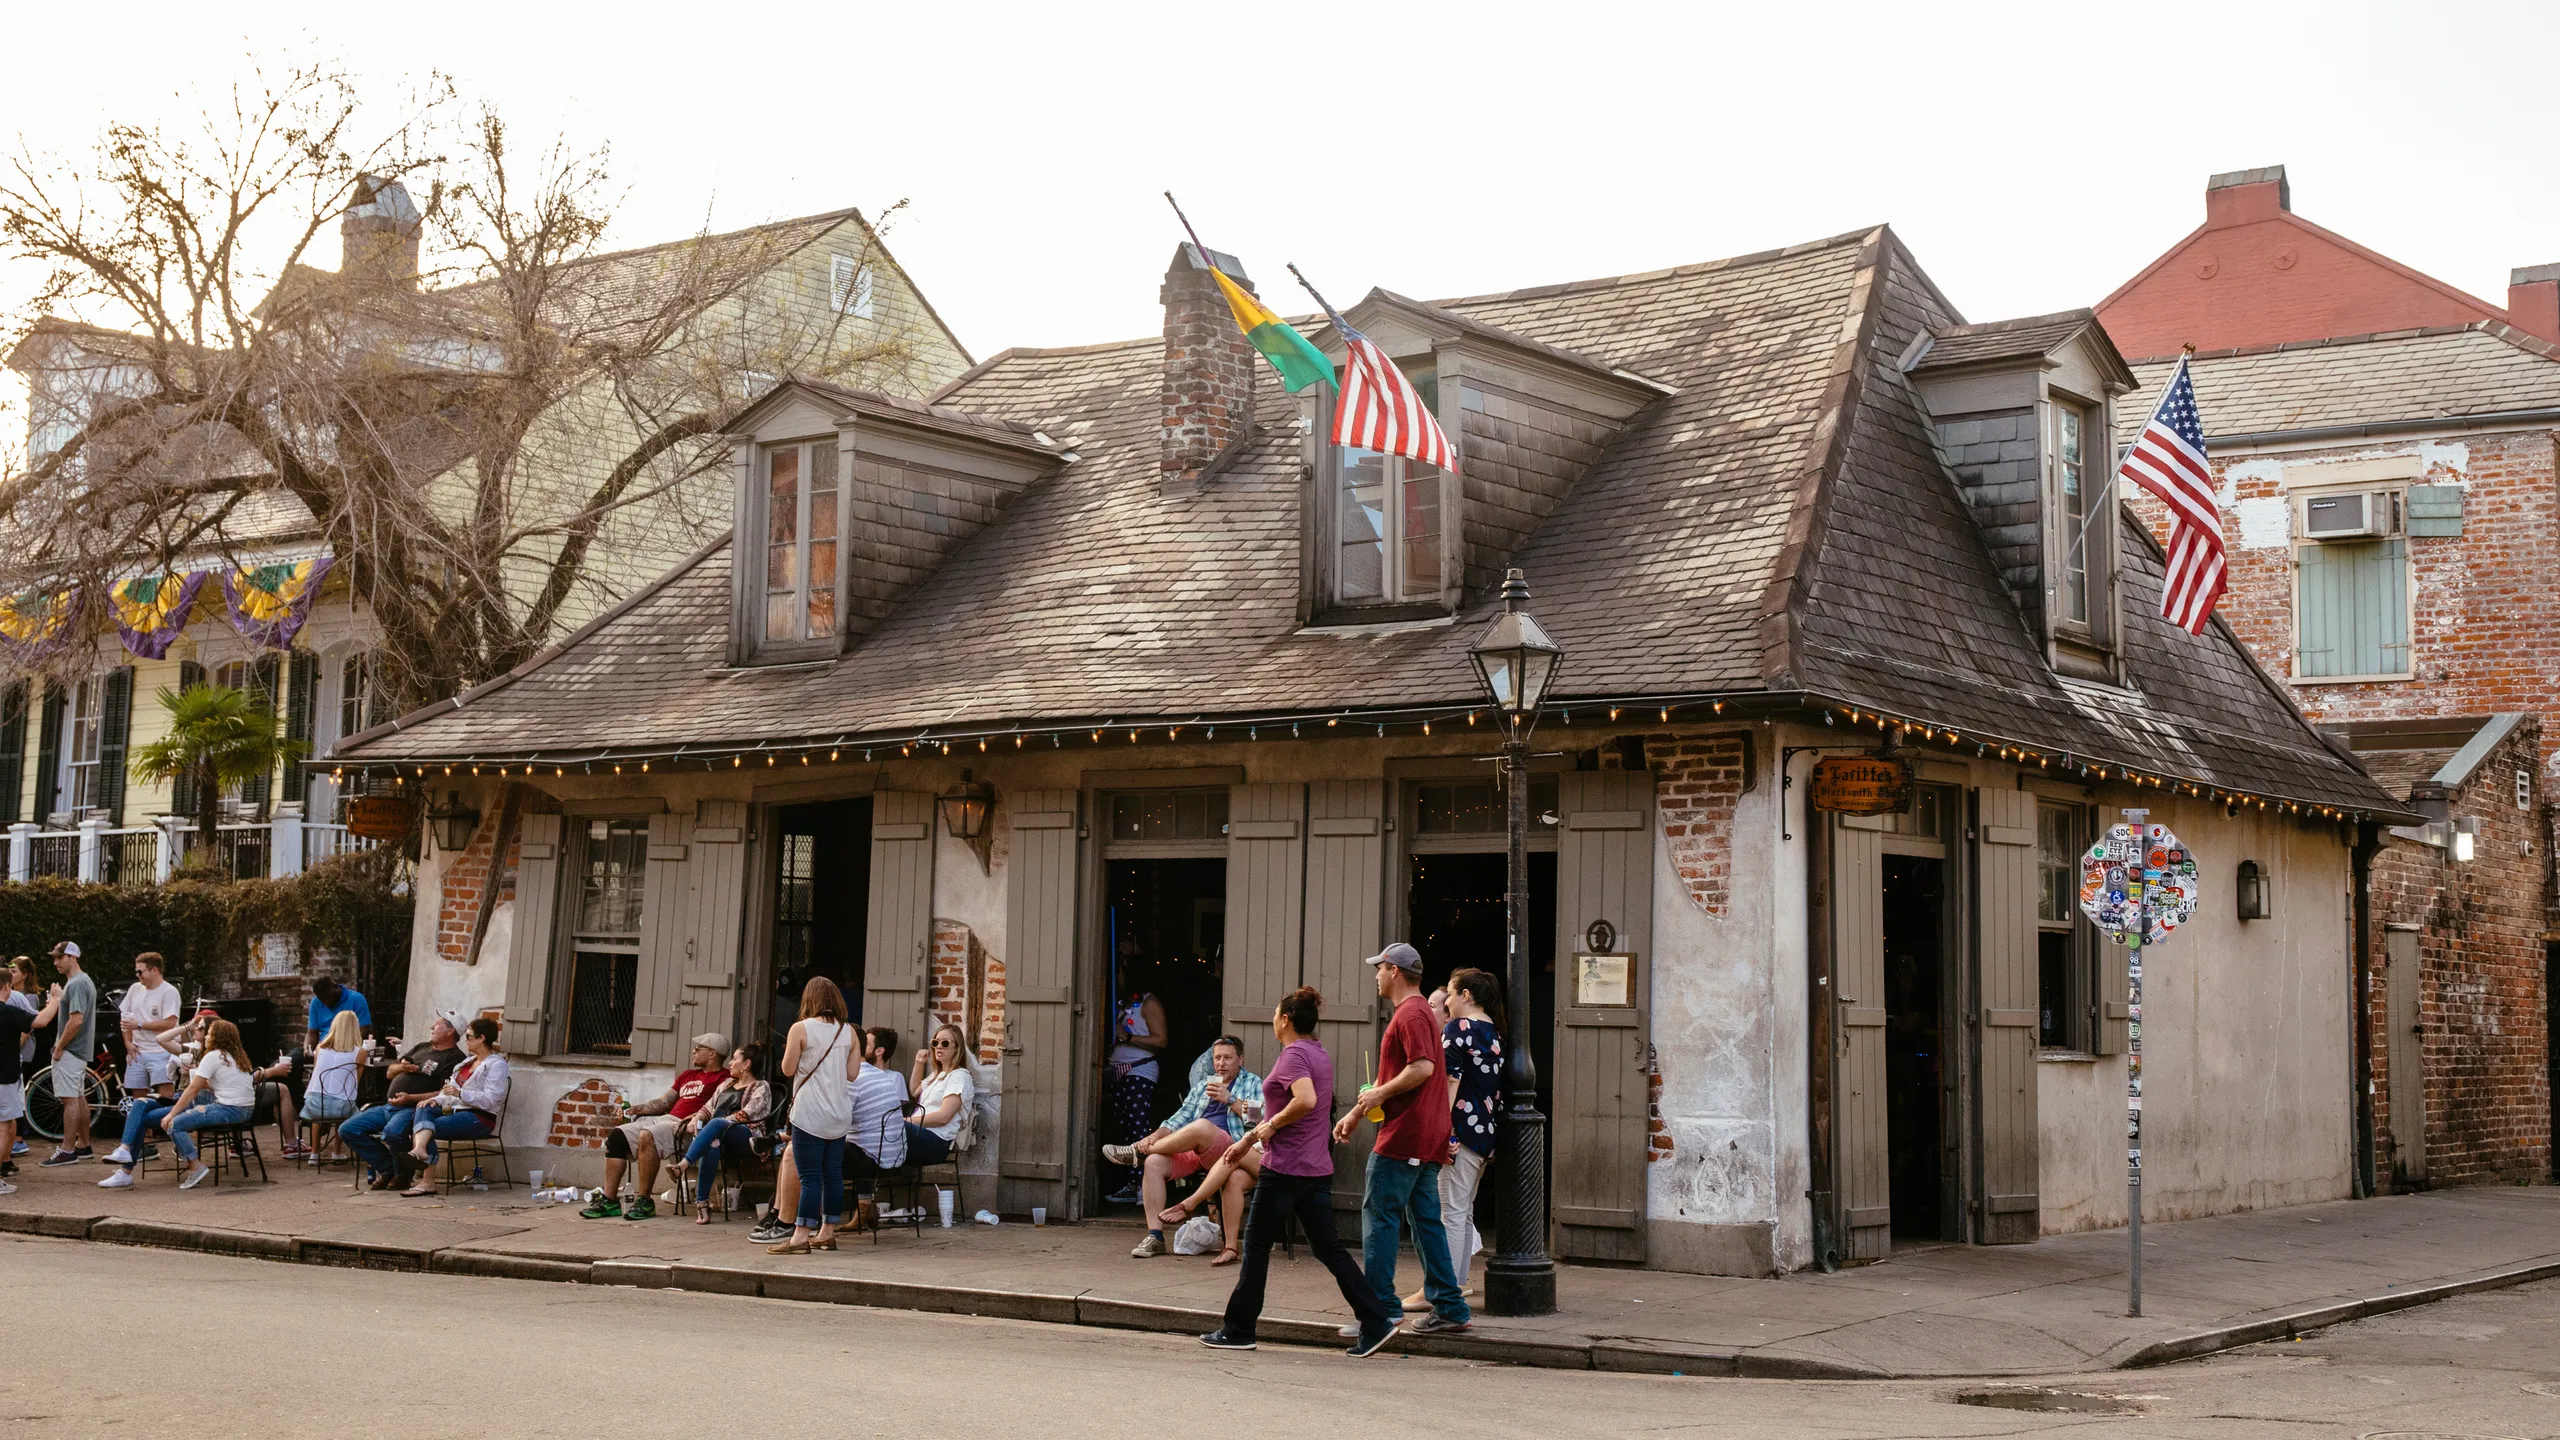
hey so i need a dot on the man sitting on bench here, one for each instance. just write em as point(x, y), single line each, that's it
point(1217, 1111)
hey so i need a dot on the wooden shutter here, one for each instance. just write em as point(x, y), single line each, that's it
point(182, 789)
point(255, 793)
point(897, 967)
point(2005, 1080)
point(1266, 900)
point(13, 752)
point(708, 980)
point(1345, 879)
point(115, 734)
point(537, 921)
point(301, 707)
point(2403, 1057)
point(1862, 1165)
point(49, 753)
point(2115, 993)
point(1040, 1029)
point(2435, 511)
point(1599, 1140)
point(2353, 608)
point(667, 898)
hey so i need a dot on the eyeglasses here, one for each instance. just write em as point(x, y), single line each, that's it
point(941, 1044)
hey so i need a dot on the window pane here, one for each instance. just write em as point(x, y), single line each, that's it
point(2075, 512)
point(1362, 563)
point(613, 880)
point(1156, 815)
point(782, 508)
point(1466, 807)
point(2053, 989)
point(2057, 857)
point(1421, 519)
point(601, 988)
point(822, 606)
point(782, 551)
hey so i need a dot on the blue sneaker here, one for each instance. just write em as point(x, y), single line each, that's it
point(1370, 1344)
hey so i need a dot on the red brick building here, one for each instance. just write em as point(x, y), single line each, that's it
point(2386, 448)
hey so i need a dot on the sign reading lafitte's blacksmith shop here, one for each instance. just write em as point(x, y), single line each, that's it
point(1861, 785)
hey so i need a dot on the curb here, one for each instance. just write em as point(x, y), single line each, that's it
point(2321, 1317)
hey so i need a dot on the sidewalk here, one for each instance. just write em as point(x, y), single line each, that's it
point(2050, 1308)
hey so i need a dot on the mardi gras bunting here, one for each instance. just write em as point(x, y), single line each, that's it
point(34, 625)
point(269, 602)
point(151, 610)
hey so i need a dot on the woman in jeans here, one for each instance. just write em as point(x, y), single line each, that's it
point(466, 1109)
point(331, 1095)
point(820, 1056)
point(219, 1092)
point(945, 1089)
point(728, 1121)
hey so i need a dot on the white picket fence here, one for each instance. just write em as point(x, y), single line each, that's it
point(98, 852)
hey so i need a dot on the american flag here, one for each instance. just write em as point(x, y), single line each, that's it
point(2168, 459)
point(1378, 408)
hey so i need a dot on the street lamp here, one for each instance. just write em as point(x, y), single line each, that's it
point(1517, 663)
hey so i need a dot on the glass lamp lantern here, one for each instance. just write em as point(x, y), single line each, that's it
point(2250, 889)
point(1515, 660)
point(965, 807)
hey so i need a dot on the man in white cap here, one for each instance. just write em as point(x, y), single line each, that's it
point(648, 1132)
point(379, 1134)
point(1412, 1096)
point(75, 1042)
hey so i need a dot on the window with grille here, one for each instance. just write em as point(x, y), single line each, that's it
point(849, 282)
point(1152, 816)
point(2065, 992)
point(82, 729)
point(1477, 807)
point(360, 704)
point(604, 967)
point(1386, 518)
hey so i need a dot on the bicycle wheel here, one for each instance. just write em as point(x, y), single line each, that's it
point(44, 1109)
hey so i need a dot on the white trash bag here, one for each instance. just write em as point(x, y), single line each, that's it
point(1199, 1235)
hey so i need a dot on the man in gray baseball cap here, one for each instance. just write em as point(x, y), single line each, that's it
point(1409, 1103)
point(652, 1131)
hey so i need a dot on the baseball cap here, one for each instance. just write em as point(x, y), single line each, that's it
point(712, 1040)
point(1402, 956)
point(452, 1018)
point(68, 947)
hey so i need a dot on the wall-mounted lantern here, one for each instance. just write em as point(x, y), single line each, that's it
point(2251, 890)
point(455, 823)
point(965, 808)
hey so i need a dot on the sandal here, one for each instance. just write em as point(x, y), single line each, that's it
point(420, 1191)
point(1227, 1255)
point(701, 1216)
point(1174, 1214)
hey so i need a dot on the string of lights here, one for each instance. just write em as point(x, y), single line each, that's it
point(934, 743)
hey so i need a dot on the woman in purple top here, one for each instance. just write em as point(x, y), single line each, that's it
point(1297, 1179)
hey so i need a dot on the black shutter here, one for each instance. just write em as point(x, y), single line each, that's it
point(182, 790)
point(115, 727)
point(49, 754)
point(262, 688)
point(13, 751)
point(301, 708)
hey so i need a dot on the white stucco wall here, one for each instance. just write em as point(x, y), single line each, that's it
point(2247, 1043)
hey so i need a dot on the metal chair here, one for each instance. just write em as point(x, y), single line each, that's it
point(479, 1147)
point(908, 1172)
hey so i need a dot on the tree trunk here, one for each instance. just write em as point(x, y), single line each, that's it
point(208, 806)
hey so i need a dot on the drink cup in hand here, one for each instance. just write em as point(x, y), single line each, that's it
point(1218, 1089)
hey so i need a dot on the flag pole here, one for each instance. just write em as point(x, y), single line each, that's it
point(1205, 262)
point(1322, 303)
point(2080, 537)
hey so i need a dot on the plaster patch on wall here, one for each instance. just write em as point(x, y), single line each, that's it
point(2266, 522)
point(2271, 471)
point(2452, 455)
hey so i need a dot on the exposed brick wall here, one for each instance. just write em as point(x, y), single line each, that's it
point(2484, 1041)
point(1657, 1135)
point(1697, 779)
point(968, 988)
point(1208, 370)
point(584, 1116)
point(465, 877)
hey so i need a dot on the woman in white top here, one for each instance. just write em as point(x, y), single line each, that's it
point(220, 1092)
point(820, 1057)
point(466, 1109)
point(331, 1095)
point(945, 1089)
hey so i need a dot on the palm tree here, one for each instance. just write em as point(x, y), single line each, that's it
point(220, 736)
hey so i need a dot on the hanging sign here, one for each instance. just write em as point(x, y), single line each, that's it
point(1861, 785)
point(2137, 884)
point(380, 817)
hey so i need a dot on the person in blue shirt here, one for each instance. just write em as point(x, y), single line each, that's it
point(328, 997)
point(1218, 1109)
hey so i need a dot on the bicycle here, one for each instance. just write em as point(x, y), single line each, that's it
point(105, 1082)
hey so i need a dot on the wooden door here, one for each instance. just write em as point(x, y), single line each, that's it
point(1032, 1160)
point(2005, 1077)
point(897, 945)
point(536, 921)
point(1604, 877)
point(1346, 877)
point(1862, 1164)
point(2405, 1055)
point(1266, 901)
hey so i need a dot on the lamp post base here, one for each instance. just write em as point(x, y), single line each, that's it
point(1520, 1277)
point(1528, 1290)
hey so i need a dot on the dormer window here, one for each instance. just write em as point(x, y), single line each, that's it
point(2071, 479)
point(1389, 534)
point(801, 521)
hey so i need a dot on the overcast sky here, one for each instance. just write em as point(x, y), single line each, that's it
point(2033, 156)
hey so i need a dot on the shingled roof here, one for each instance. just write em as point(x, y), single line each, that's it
point(2411, 376)
point(1779, 527)
point(2026, 337)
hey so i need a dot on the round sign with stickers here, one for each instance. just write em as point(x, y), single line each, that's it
point(2138, 883)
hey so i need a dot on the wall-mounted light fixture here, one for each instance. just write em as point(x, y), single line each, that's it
point(2466, 839)
point(455, 823)
point(965, 808)
point(2250, 889)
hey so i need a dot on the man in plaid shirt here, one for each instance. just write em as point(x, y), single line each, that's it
point(1217, 1112)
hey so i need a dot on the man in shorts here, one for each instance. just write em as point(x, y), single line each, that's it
point(647, 1134)
point(75, 1043)
point(1192, 1138)
point(148, 1011)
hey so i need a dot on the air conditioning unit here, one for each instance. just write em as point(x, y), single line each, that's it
point(2351, 515)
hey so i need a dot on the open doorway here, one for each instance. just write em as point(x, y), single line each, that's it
point(1454, 915)
point(821, 908)
point(1916, 1063)
point(1165, 936)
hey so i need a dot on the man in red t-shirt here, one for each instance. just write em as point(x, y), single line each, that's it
point(1410, 1102)
point(648, 1130)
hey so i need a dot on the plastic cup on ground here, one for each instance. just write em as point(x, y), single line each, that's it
point(732, 1194)
point(1039, 1215)
point(537, 1182)
point(947, 1200)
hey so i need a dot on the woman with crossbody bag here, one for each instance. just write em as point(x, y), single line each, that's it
point(820, 1056)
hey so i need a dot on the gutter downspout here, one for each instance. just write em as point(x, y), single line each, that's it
point(2486, 420)
point(2368, 844)
point(1821, 1015)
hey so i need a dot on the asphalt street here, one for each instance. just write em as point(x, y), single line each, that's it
point(110, 1340)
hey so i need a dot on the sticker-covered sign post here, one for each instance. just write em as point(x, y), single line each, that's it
point(2137, 884)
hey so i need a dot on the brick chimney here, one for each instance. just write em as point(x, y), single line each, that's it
point(2237, 197)
point(1208, 367)
point(378, 234)
point(2533, 301)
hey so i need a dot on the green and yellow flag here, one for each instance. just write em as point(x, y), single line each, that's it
point(1300, 364)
